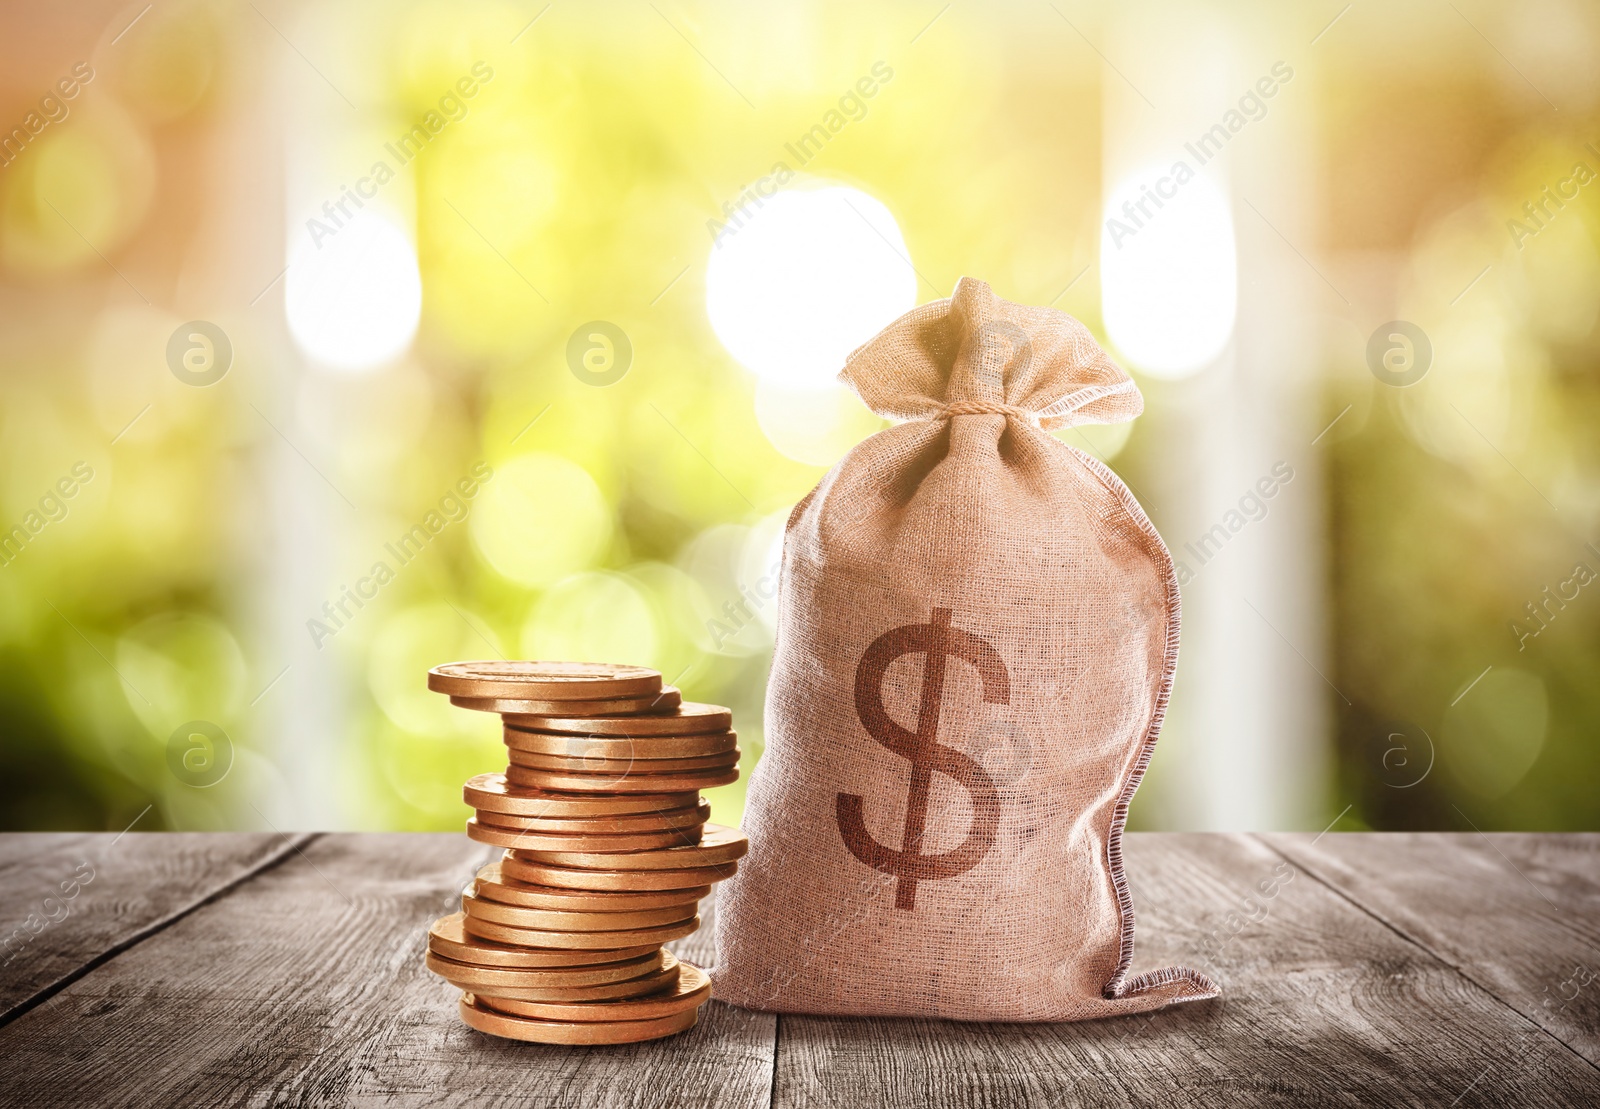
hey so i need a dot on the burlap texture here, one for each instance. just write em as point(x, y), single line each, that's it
point(1009, 604)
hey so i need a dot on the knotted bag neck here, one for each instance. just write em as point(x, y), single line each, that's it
point(976, 354)
point(1063, 411)
point(987, 408)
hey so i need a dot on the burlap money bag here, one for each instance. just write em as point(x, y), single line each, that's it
point(976, 637)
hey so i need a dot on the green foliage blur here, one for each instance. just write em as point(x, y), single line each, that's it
point(211, 532)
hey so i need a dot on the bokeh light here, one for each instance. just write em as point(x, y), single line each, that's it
point(403, 643)
point(601, 170)
point(541, 518)
point(1490, 745)
point(1168, 271)
point(800, 279)
point(180, 665)
point(594, 617)
point(812, 425)
point(79, 191)
point(353, 297)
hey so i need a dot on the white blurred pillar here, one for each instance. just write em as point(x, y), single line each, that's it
point(1245, 743)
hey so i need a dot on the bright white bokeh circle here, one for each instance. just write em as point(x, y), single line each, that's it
point(816, 425)
point(761, 564)
point(1169, 275)
point(798, 281)
point(354, 298)
point(540, 518)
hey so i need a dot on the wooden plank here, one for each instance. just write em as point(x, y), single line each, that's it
point(1517, 914)
point(307, 986)
point(1321, 1005)
point(73, 898)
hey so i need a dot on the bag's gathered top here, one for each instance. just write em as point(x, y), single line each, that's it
point(976, 354)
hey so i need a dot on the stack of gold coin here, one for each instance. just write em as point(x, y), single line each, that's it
point(608, 853)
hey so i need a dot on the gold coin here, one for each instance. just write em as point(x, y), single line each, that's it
point(662, 701)
point(689, 718)
point(633, 781)
point(658, 981)
point(494, 885)
point(625, 749)
point(448, 939)
point(602, 844)
point(663, 977)
point(718, 845)
point(631, 881)
point(559, 920)
point(604, 825)
point(476, 1015)
point(468, 976)
point(544, 681)
point(588, 941)
point(692, 990)
point(634, 987)
point(532, 760)
point(492, 791)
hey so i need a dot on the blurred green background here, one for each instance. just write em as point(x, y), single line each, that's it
point(564, 362)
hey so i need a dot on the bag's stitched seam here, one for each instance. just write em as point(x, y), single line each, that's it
point(1120, 986)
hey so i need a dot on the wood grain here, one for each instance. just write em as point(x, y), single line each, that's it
point(1321, 1005)
point(306, 986)
point(135, 884)
point(1517, 914)
point(1371, 969)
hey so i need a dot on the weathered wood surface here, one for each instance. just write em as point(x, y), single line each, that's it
point(1386, 970)
point(71, 898)
point(1322, 1005)
point(306, 986)
point(1517, 914)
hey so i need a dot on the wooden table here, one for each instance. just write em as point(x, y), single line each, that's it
point(190, 969)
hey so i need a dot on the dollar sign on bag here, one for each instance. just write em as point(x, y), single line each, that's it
point(936, 641)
